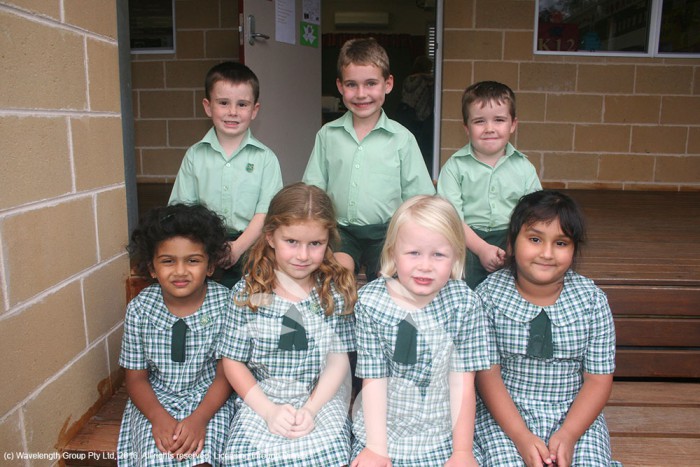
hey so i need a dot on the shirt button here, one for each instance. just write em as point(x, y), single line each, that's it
point(228, 164)
point(225, 188)
point(354, 184)
point(357, 166)
point(360, 148)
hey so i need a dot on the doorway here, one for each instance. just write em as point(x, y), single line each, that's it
point(407, 29)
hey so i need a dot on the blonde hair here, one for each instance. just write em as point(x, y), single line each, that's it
point(294, 204)
point(363, 51)
point(433, 213)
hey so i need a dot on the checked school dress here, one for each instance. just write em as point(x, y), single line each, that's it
point(180, 387)
point(451, 337)
point(288, 376)
point(543, 389)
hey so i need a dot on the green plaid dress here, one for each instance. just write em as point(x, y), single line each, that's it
point(451, 338)
point(583, 335)
point(288, 377)
point(180, 387)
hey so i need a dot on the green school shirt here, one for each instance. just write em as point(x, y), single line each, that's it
point(236, 187)
point(483, 195)
point(367, 180)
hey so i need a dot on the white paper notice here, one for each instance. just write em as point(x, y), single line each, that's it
point(285, 21)
point(311, 11)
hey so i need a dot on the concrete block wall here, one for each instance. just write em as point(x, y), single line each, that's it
point(168, 88)
point(63, 223)
point(585, 122)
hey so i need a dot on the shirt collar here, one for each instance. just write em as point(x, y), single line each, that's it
point(466, 151)
point(161, 318)
point(248, 140)
point(384, 123)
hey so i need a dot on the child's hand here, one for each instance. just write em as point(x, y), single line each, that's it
point(233, 256)
point(162, 429)
point(369, 458)
point(303, 423)
point(561, 448)
point(461, 458)
point(188, 437)
point(280, 419)
point(533, 450)
point(492, 258)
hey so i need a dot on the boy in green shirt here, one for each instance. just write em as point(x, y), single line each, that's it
point(230, 171)
point(367, 163)
point(486, 178)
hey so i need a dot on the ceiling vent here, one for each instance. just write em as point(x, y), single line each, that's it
point(361, 19)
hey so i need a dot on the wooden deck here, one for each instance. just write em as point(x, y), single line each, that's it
point(644, 251)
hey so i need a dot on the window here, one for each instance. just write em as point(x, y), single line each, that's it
point(152, 26)
point(668, 28)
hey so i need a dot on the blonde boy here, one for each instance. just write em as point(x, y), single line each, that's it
point(367, 163)
point(485, 179)
point(230, 171)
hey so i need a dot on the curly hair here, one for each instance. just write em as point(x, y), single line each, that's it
point(294, 204)
point(192, 221)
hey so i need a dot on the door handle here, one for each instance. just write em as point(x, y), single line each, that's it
point(252, 35)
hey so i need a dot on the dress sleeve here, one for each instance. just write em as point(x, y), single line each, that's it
point(600, 354)
point(371, 362)
point(235, 342)
point(490, 316)
point(471, 340)
point(132, 356)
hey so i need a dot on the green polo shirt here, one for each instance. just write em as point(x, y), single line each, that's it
point(483, 195)
point(367, 180)
point(236, 187)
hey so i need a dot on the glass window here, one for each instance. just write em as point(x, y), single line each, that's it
point(618, 27)
point(152, 26)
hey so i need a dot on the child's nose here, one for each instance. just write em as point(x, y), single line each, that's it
point(303, 252)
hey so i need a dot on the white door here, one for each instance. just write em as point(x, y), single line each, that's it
point(290, 80)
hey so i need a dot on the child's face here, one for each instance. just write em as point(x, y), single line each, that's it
point(543, 254)
point(231, 108)
point(489, 129)
point(181, 267)
point(424, 261)
point(364, 89)
point(299, 250)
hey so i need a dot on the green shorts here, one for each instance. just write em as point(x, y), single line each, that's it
point(229, 277)
point(364, 243)
point(474, 272)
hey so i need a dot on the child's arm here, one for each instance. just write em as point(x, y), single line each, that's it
point(374, 402)
point(495, 395)
point(491, 257)
point(586, 407)
point(142, 396)
point(246, 239)
point(463, 410)
point(190, 432)
point(337, 368)
point(279, 418)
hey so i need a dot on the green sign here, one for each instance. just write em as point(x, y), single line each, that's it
point(308, 34)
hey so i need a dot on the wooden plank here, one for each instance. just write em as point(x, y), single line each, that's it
point(643, 393)
point(637, 452)
point(657, 332)
point(657, 363)
point(649, 301)
point(661, 422)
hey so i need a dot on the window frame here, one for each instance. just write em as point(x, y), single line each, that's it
point(652, 40)
point(157, 50)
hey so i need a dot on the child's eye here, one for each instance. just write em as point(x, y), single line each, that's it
point(316, 243)
point(439, 254)
point(562, 243)
point(291, 241)
point(350, 85)
point(535, 240)
point(243, 104)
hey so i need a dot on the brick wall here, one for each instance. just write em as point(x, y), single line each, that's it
point(62, 218)
point(585, 122)
point(168, 88)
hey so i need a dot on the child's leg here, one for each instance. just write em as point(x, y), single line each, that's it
point(348, 252)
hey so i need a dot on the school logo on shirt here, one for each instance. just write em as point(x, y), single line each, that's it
point(249, 167)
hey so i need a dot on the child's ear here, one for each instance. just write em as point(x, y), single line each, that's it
point(268, 238)
point(514, 125)
point(207, 106)
point(466, 129)
point(256, 108)
point(339, 85)
point(389, 84)
point(151, 270)
point(210, 268)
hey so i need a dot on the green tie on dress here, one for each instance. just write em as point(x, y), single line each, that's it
point(405, 349)
point(540, 343)
point(177, 346)
point(293, 333)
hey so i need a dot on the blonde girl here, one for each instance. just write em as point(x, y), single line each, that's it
point(420, 338)
point(285, 346)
